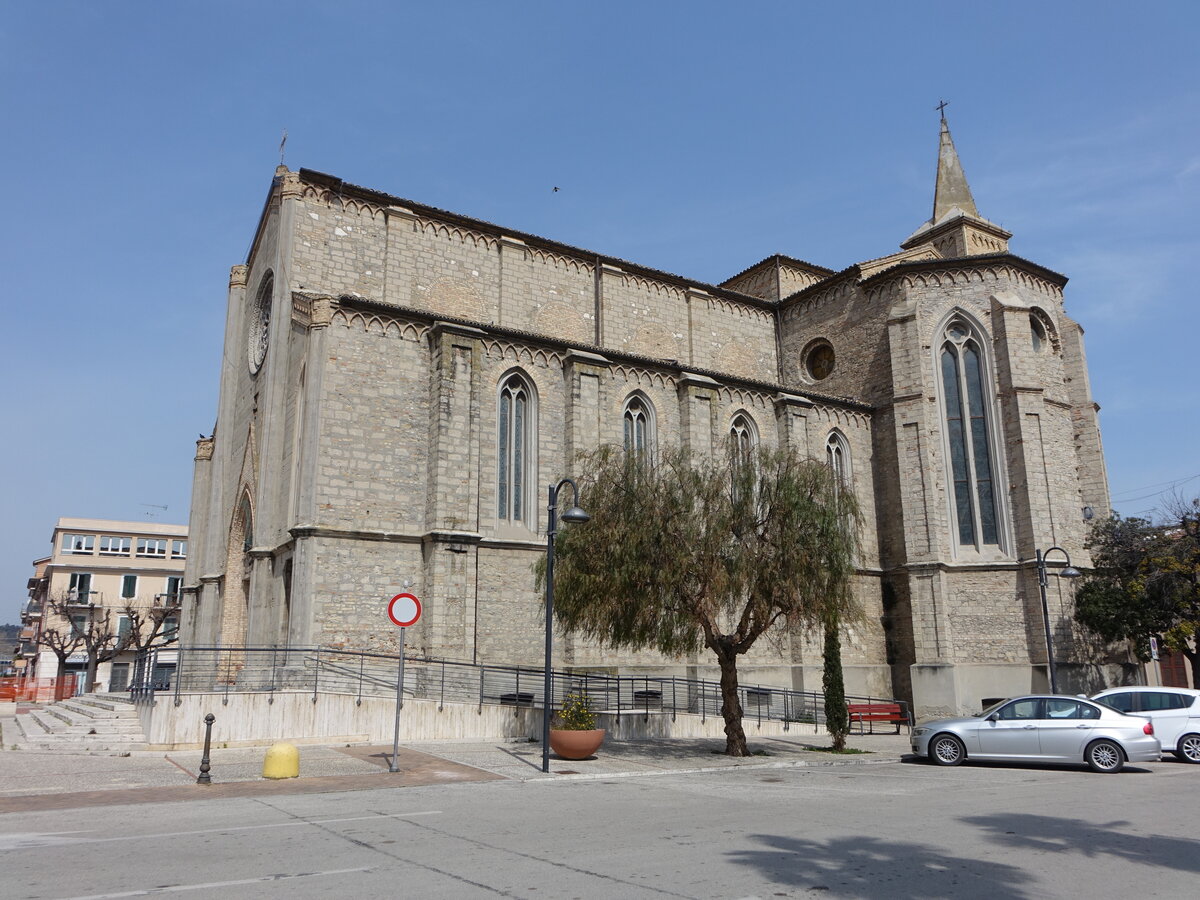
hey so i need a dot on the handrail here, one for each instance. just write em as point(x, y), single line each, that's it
point(328, 670)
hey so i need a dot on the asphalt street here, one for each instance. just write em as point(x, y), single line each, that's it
point(896, 830)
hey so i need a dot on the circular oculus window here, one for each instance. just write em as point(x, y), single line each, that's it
point(819, 362)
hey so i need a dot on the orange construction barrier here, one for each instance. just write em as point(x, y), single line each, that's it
point(37, 690)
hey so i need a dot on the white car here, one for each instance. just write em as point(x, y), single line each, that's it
point(1175, 713)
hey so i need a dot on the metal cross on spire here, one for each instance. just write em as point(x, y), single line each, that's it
point(941, 108)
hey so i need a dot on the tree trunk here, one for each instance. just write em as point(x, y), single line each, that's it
point(60, 674)
point(1193, 658)
point(731, 706)
point(89, 679)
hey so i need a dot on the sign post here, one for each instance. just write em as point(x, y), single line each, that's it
point(403, 610)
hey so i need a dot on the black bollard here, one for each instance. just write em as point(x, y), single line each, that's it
point(206, 778)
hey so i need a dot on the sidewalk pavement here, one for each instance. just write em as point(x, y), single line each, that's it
point(64, 780)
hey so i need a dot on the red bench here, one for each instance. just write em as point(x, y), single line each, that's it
point(867, 714)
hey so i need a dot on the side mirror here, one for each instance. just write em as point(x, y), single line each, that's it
point(992, 718)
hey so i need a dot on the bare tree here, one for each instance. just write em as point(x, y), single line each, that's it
point(83, 626)
point(63, 640)
point(146, 623)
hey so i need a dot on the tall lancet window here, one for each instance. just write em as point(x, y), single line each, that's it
point(743, 435)
point(516, 432)
point(837, 454)
point(639, 425)
point(965, 386)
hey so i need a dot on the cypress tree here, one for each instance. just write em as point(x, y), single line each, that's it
point(837, 719)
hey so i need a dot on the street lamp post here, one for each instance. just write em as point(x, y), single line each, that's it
point(574, 515)
point(1069, 571)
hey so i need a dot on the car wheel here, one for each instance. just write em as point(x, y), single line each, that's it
point(947, 750)
point(1105, 756)
point(1189, 748)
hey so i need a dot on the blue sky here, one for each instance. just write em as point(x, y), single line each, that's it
point(695, 137)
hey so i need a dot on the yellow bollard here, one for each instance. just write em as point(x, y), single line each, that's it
point(282, 761)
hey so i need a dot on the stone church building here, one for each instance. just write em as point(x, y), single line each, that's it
point(400, 384)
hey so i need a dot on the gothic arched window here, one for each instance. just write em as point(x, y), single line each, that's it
point(639, 425)
point(966, 388)
point(514, 453)
point(245, 521)
point(837, 454)
point(743, 435)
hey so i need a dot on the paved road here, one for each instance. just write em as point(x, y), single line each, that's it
point(884, 831)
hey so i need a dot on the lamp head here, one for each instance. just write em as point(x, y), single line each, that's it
point(1069, 572)
point(575, 516)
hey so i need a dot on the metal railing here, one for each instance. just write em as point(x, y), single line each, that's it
point(323, 670)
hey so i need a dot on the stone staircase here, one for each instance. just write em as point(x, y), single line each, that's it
point(92, 723)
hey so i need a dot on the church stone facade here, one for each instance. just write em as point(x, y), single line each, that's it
point(400, 384)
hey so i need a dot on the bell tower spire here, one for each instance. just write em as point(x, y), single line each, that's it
point(952, 190)
point(956, 228)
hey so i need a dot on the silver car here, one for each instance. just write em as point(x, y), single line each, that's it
point(1041, 728)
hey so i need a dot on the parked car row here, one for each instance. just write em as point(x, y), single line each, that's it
point(1116, 726)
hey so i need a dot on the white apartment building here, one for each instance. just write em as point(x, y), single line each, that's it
point(102, 567)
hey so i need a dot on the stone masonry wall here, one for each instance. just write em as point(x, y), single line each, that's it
point(397, 255)
point(426, 314)
point(374, 478)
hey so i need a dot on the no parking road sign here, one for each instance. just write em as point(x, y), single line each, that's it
point(404, 610)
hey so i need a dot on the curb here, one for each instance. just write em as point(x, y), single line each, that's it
point(542, 778)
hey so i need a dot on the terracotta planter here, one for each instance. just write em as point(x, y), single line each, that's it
point(576, 744)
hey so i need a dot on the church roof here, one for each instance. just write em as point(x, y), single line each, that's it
point(968, 262)
point(855, 272)
point(788, 260)
point(334, 183)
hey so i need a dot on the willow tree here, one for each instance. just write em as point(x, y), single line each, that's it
point(685, 552)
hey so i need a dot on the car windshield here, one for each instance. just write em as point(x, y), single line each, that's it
point(995, 706)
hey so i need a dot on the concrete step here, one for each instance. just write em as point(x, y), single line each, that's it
point(74, 743)
point(64, 715)
point(29, 727)
point(40, 719)
point(82, 725)
point(112, 703)
point(79, 709)
point(132, 731)
point(75, 748)
point(74, 721)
